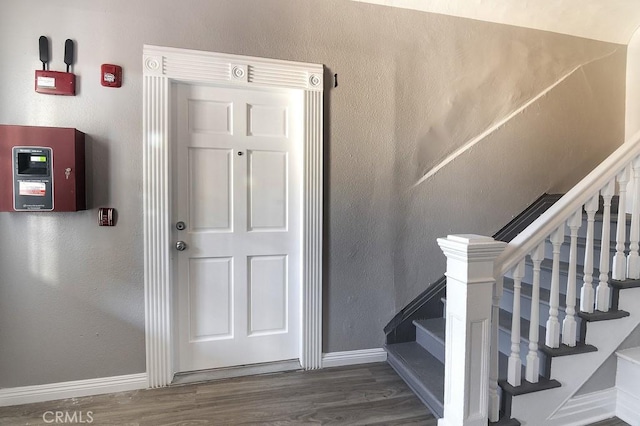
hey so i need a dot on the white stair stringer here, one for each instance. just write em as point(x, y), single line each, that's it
point(572, 371)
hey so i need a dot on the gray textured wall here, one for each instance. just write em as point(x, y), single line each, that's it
point(546, 148)
point(413, 88)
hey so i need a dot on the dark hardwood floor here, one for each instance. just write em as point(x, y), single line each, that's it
point(370, 394)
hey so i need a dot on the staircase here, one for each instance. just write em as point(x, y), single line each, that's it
point(566, 296)
point(415, 337)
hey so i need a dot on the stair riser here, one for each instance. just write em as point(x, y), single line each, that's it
point(504, 345)
point(566, 249)
point(546, 275)
point(525, 308)
point(597, 227)
point(430, 343)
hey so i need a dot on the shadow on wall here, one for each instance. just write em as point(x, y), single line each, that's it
point(326, 210)
point(98, 172)
point(24, 366)
point(42, 297)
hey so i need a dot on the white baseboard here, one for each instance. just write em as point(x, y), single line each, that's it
point(78, 388)
point(628, 407)
point(363, 356)
point(588, 408)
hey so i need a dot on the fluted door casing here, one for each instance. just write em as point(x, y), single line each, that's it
point(161, 67)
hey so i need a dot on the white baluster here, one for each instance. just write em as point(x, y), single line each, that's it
point(532, 372)
point(619, 271)
point(494, 396)
point(602, 291)
point(569, 325)
point(586, 294)
point(514, 372)
point(633, 260)
point(552, 339)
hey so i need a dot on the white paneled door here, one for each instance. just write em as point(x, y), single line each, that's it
point(237, 189)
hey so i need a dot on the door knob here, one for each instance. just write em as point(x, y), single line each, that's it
point(181, 245)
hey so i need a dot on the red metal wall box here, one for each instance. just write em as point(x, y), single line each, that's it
point(68, 164)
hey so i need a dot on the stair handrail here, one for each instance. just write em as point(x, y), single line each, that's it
point(525, 242)
point(476, 266)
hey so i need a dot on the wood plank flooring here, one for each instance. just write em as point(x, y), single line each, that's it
point(370, 394)
point(356, 395)
point(611, 422)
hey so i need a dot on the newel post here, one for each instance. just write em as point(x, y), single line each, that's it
point(470, 281)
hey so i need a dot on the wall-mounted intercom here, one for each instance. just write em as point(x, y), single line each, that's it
point(41, 169)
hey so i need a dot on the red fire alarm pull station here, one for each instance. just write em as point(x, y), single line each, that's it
point(41, 169)
point(111, 75)
point(55, 82)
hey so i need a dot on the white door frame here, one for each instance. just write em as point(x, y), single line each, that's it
point(161, 66)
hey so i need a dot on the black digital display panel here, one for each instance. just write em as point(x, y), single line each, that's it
point(32, 178)
point(33, 163)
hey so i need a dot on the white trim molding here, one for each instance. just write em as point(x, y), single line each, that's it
point(596, 406)
point(363, 356)
point(163, 66)
point(75, 389)
point(627, 377)
point(628, 407)
point(587, 408)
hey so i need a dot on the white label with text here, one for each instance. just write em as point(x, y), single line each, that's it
point(38, 189)
point(46, 82)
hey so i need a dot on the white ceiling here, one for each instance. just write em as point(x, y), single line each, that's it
point(614, 21)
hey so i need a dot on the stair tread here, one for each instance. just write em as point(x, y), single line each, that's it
point(624, 284)
point(603, 316)
point(528, 387)
point(504, 421)
point(563, 350)
point(525, 387)
point(421, 371)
